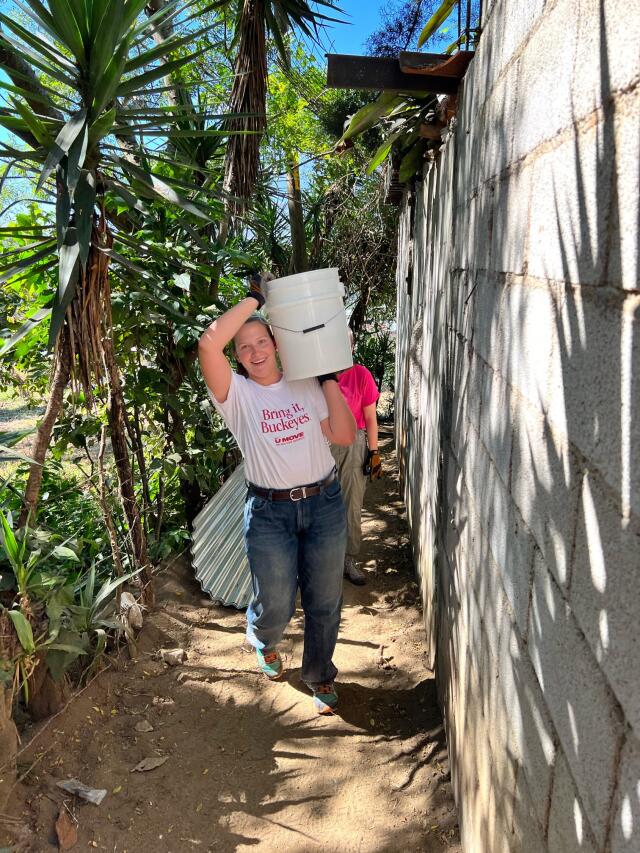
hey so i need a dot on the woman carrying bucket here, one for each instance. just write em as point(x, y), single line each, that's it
point(294, 520)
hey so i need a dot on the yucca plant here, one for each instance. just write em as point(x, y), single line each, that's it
point(84, 104)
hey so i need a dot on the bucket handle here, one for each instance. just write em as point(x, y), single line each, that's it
point(311, 328)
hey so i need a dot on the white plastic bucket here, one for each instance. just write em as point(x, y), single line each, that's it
point(308, 319)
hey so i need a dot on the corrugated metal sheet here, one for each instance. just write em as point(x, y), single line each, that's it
point(219, 558)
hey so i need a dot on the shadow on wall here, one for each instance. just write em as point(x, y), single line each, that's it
point(539, 532)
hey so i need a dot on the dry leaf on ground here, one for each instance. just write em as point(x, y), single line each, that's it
point(150, 763)
point(66, 830)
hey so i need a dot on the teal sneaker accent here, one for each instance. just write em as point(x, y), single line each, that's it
point(270, 663)
point(325, 697)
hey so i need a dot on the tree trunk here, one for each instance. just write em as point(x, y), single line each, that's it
point(46, 696)
point(117, 430)
point(97, 272)
point(134, 429)
point(106, 509)
point(360, 311)
point(175, 369)
point(43, 438)
point(299, 261)
point(248, 96)
point(162, 31)
point(22, 75)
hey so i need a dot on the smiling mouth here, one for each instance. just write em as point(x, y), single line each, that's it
point(258, 363)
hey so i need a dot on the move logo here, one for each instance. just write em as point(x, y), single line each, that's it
point(287, 439)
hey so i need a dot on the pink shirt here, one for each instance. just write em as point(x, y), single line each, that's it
point(359, 390)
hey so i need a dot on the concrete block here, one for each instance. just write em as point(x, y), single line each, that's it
point(527, 318)
point(480, 228)
point(501, 116)
point(478, 480)
point(520, 727)
point(531, 734)
point(474, 463)
point(546, 71)
point(510, 230)
point(469, 130)
point(514, 333)
point(570, 208)
point(511, 548)
point(527, 834)
point(455, 439)
point(606, 58)
point(501, 707)
point(605, 591)
point(475, 636)
point(473, 408)
point(625, 829)
point(580, 702)
point(497, 626)
point(475, 774)
point(502, 806)
point(595, 385)
point(517, 21)
point(569, 830)
point(515, 564)
point(461, 312)
point(473, 548)
point(487, 307)
point(622, 268)
point(462, 246)
point(544, 484)
point(495, 426)
point(517, 706)
point(485, 67)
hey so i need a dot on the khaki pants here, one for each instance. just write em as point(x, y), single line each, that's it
point(349, 462)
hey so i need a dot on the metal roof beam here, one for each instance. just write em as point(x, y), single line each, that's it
point(382, 74)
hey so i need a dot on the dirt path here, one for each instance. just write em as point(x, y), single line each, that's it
point(249, 764)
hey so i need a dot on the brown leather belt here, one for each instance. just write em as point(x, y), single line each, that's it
point(298, 493)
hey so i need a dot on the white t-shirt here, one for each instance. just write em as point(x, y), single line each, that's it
point(277, 428)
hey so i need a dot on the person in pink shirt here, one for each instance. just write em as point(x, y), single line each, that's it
point(358, 461)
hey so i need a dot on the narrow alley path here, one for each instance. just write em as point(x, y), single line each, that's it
point(249, 765)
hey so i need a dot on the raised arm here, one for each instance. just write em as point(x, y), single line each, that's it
point(340, 426)
point(215, 366)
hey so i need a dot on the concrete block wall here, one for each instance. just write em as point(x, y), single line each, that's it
point(518, 397)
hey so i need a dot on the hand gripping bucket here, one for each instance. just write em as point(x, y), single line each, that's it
point(307, 316)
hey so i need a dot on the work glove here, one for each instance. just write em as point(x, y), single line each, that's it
point(372, 467)
point(258, 286)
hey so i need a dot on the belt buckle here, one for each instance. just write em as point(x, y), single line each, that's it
point(303, 493)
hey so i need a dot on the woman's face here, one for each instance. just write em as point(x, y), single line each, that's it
point(256, 352)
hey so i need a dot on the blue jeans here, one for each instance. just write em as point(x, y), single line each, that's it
point(290, 544)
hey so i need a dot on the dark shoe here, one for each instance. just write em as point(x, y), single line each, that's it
point(352, 572)
point(325, 697)
point(270, 663)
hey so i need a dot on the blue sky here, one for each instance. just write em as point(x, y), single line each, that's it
point(363, 17)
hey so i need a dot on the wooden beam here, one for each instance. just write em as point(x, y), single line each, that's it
point(441, 65)
point(382, 74)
